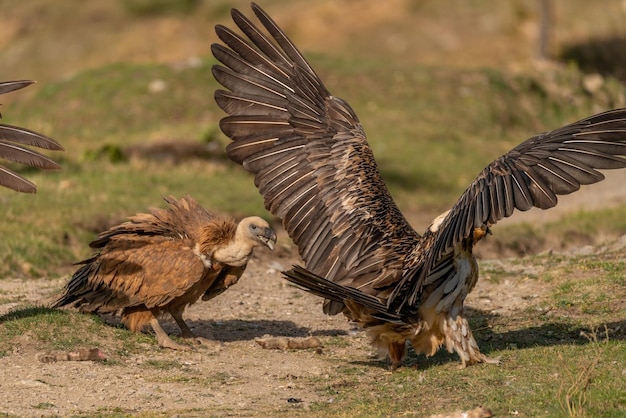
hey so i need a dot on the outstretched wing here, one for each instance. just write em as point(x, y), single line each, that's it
point(532, 174)
point(310, 158)
point(12, 141)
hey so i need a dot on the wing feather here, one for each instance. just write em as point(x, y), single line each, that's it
point(532, 174)
point(12, 141)
point(309, 155)
point(316, 171)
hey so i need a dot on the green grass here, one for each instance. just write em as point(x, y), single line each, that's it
point(99, 113)
point(53, 329)
point(530, 382)
point(432, 128)
point(569, 363)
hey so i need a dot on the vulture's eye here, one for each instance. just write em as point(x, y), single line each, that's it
point(254, 227)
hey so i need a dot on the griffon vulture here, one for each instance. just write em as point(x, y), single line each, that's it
point(316, 171)
point(161, 262)
point(12, 141)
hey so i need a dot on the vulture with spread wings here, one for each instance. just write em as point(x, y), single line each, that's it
point(162, 261)
point(12, 141)
point(316, 171)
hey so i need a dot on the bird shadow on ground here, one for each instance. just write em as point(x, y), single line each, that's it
point(545, 332)
point(245, 330)
point(549, 333)
point(28, 312)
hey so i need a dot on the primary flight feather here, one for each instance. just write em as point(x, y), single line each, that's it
point(12, 147)
point(316, 171)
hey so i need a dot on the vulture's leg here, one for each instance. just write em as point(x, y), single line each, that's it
point(459, 338)
point(163, 339)
point(187, 333)
point(397, 352)
point(388, 340)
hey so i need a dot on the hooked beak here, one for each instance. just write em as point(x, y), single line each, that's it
point(268, 238)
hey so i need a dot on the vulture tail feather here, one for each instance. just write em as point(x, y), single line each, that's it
point(320, 286)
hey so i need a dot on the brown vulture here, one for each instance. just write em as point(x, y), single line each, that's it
point(162, 261)
point(12, 141)
point(316, 171)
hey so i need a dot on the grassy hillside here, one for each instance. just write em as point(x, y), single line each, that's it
point(136, 132)
point(441, 87)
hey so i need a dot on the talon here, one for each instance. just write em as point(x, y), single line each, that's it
point(395, 366)
point(490, 360)
point(172, 345)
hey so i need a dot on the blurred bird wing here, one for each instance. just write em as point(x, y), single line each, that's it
point(8, 86)
point(151, 274)
point(310, 158)
point(532, 174)
point(12, 141)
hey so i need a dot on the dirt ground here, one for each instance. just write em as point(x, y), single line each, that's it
point(241, 378)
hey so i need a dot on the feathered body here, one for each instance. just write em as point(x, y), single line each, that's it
point(163, 261)
point(12, 141)
point(316, 171)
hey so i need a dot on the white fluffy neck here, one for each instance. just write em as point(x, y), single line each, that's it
point(237, 252)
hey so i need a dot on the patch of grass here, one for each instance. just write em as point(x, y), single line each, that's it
point(574, 391)
point(46, 233)
point(493, 273)
point(117, 412)
point(144, 8)
point(610, 221)
point(433, 128)
point(591, 284)
point(337, 341)
point(614, 270)
point(49, 326)
point(572, 230)
point(54, 329)
point(162, 364)
point(527, 383)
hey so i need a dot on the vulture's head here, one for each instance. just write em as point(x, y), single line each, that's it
point(257, 232)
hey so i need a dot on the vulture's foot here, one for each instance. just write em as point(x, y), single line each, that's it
point(459, 338)
point(188, 334)
point(479, 358)
point(397, 352)
point(164, 340)
point(172, 345)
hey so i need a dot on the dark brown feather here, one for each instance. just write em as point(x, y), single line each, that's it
point(316, 171)
point(160, 262)
point(12, 141)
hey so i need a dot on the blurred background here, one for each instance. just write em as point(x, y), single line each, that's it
point(442, 88)
point(61, 39)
